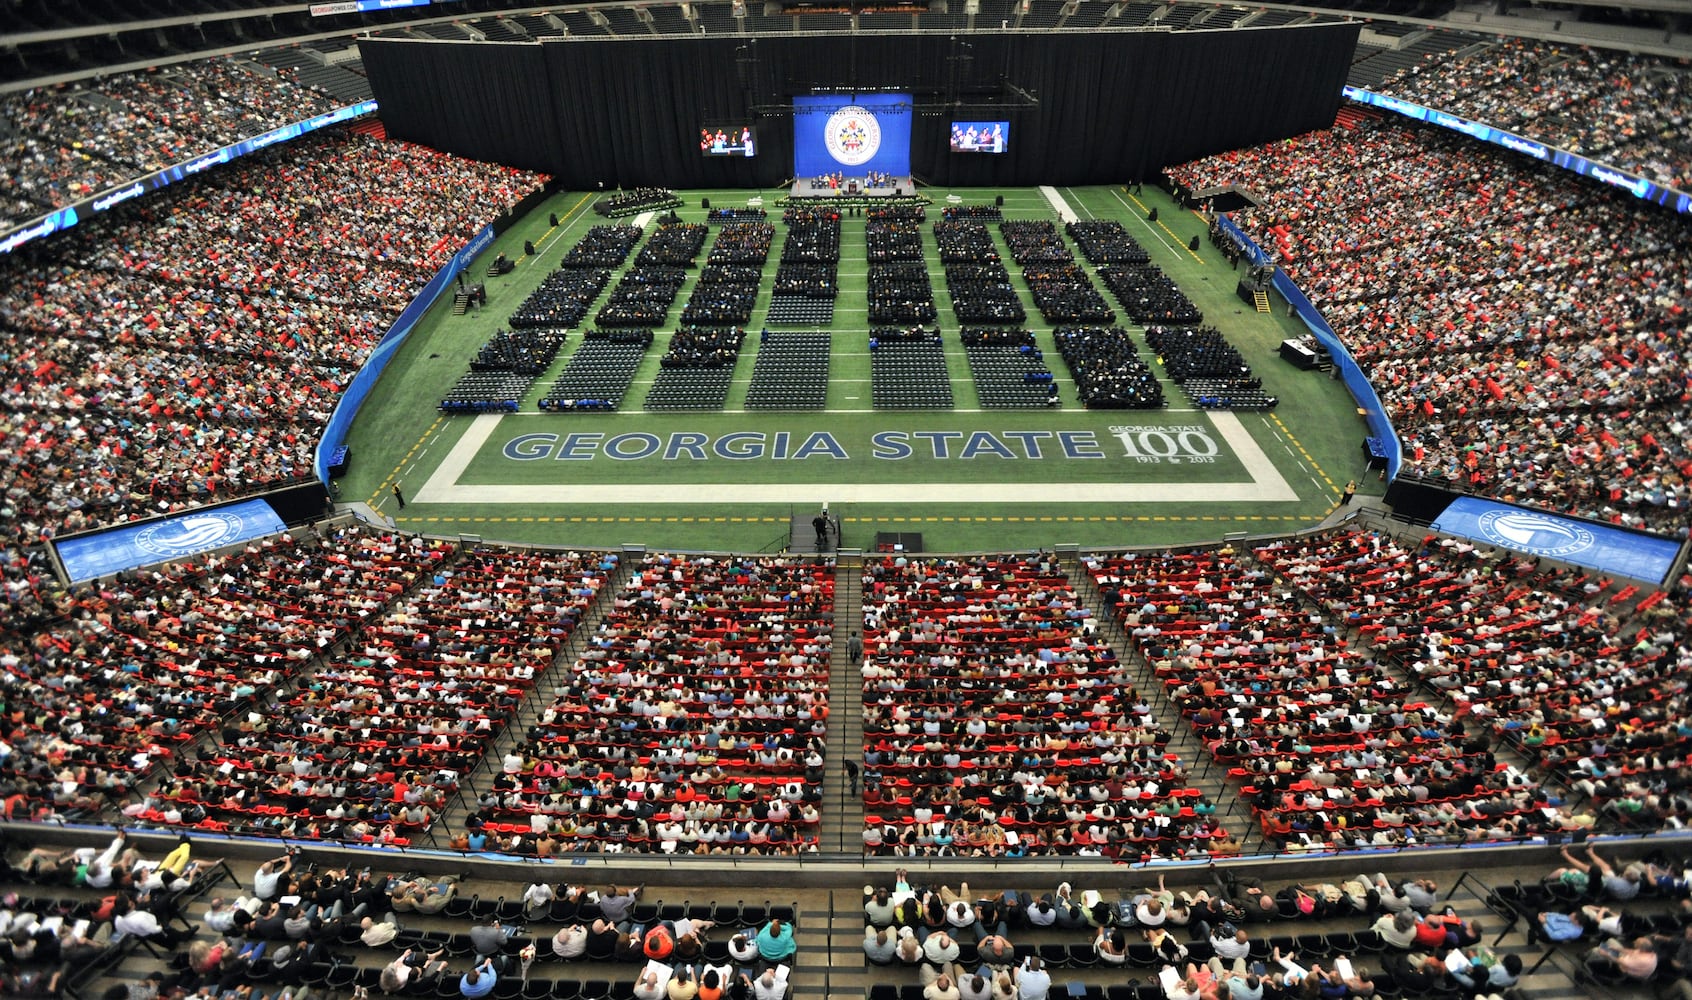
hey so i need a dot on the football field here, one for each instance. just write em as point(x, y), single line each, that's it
point(966, 478)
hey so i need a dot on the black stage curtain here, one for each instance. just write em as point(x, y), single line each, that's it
point(486, 101)
point(1112, 106)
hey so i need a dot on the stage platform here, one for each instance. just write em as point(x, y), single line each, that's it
point(852, 187)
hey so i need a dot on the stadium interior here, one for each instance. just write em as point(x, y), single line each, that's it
point(440, 540)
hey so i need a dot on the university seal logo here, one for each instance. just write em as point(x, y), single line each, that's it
point(1535, 533)
point(852, 136)
point(187, 535)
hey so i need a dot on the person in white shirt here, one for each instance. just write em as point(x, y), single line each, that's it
point(1229, 944)
point(1033, 982)
point(769, 987)
point(411, 967)
point(136, 922)
point(100, 873)
point(570, 942)
point(267, 880)
point(221, 916)
point(375, 935)
point(943, 988)
point(1042, 913)
point(742, 949)
point(537, 900)
point(1110, 946)
point(909, 950)
point(940, 949)
point(648, 987)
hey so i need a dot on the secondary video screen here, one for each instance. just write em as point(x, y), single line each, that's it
point(728, 140)
point(980, 137)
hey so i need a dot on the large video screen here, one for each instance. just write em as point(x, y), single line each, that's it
point(980, 137)
point(727, 139)
point(852, 134)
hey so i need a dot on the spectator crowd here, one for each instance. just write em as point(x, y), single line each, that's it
point(189, 347)
point(65, 143)
point(1523, 325)
point(1625, 109)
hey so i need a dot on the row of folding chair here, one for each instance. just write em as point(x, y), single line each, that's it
point(689, 389)
point(910, 375)
point(599, 371)
point(790, 372)
point(799, 310)
point(1002, 378)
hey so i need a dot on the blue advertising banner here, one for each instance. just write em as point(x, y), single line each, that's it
point(335, 431)
point(1369, 401)
point(1583, 543)
point(852, 134)
point(103, 553)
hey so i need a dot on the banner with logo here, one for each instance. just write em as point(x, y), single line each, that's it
point(852, 134)
point(103, 553)
point(1584, 543)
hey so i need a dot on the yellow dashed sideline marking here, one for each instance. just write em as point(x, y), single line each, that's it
point(1302, 451)
point(383, 488)
point(549, 232)
point(1178, 241)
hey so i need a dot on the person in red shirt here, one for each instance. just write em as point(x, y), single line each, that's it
point(659, 942)
point(1430, 933)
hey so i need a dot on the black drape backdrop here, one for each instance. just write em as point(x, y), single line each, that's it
point(1112, 106)
point(487, 102)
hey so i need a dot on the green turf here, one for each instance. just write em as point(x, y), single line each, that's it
point(1312, 438)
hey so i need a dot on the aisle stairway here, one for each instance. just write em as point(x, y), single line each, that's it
point(1203, 772)
point(529, 711)
point(843, 811)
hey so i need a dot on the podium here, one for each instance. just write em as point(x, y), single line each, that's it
point(1300, 354)
point(898, 541)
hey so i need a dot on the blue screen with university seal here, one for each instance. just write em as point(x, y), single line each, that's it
point(184, 536)
point(852, 134)
point(1583, 543)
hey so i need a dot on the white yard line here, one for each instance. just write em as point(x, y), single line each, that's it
point(1064, 212)
point(1263, 472)
point(1135, 213)
point(565, 228)
point(458, 459)
point(842, 410)
point(802, 493)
